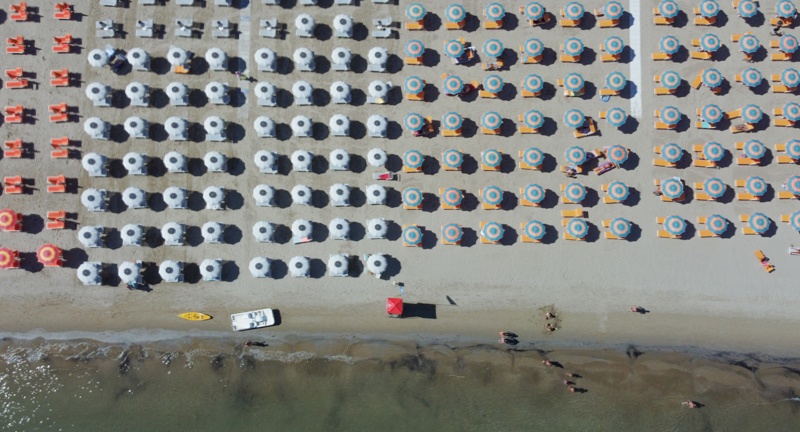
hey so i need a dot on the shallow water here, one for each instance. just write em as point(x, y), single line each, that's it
point(330, 385)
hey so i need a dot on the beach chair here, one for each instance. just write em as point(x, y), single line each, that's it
point(660, 56)
point(743, 196)
point(410, 170)
point(786, 195)
point(487, 131)
point(592, 129)
point(704, 163)
point(413, 61)
point(575, 213)
point(487, 95)
point(61, 153)
point(415, 25)
point(17, 84)
point(703, 21)
point(19, 12)
point(416, 97)
point(451, 133)
point(56, 188)
point(608, 23)
point(14, 73)
point(701, 55)
point(769, 268)
point(609, 92)
point(13, 185)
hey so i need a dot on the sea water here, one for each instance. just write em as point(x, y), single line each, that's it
point(329, 385)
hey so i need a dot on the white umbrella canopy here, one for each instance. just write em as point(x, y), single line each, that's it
point(136, 90)
point(264, 126)
point(302, 228)
point(264, 195)
point(265, 90)
point(89, 273)
point(214, 125)
point(175, 162)
point(263, 231)
point(98, 58)
point(266, 161)
point(301, 195)
point(340, 90)
point(341, 55)
point(135, 163)
point(377, 124)
point(131, 234)
point(377, 228)
point(260, 267)
point(301, 160)
point(305, 22)
point(217, 58)
point(376, 264)
point(177, 56)
point(171, 271)
point(211, 270)
point(96, 128)
point(299, 266)
point(379, 89)
point(139, 59)
point(176, 90)
point(340, 195)
point(215, 161)
point(301, 126)
point(302, 89)
point(91, 236)
point(339, 160)
point(137, 127)
point(94, 199)
point(265, 58)
point(94, 164)
point(175, 197)
point(217, 92)
point(339, 229)
point(212, 232)
point(303, 56)
point(134, 198)
point(177, 128)
point(343, 23)
point(340, 125)
point(378, 56)
point(338, 265)
point(377, 157)
point(214, 197)
point(172, 233)
point(376, 194)
point(97, 92)
point(130, 272)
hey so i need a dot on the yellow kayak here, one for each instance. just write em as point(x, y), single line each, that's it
point(195, 316)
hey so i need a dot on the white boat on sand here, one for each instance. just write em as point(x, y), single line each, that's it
point(253, 319)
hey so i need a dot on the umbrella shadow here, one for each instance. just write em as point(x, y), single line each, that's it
point(469, 202)
point(550, 199)
point(730, 230)
point(393, 231)
point(722, 19)
point(510, 235)
point(631, 163)
point(592, 234)
point(191, 273)
point(278, 269)
point(469, 237)
point(508, 92)
point(588, 56)
point(549, 127)
point(510, 201)
point(680, 56)
point(591, 199)
point(549, 164)
point(550, 234)
point(319, 231)
point(357, 231)
point(588, 21)
point(635, 234)
point(430, 202)
point(634, 196)
point(629, 91)
point(109, 275)
point(507, 164)
point(152, 237)
point(232, 234)
point(150, 274)
point(432, 21)
point(316, 268)
point(429, 239)
point(112, 239)
point(508, 128)
point(419, 310)
point(230, 271)
point(469, 165)
point(193, 236)
point(631, 125)
point(430, 165)
point(74, 257)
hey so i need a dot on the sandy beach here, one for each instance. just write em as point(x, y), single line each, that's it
point(709, 293)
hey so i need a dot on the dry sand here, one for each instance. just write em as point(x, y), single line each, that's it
point(701, 292)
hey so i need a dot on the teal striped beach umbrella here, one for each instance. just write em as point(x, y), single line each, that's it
point(717, 224)
point(412, 197)
point(414, 85)
point(577, 228)
point(493, 48)
point(793, 149)
point(785, 9)
point(534, 119)
point(413, 159)
point(759, 222)
point(533, 156)
point(415, 48)
point(747, 8)
point(412, 235)
point(495, 11)
point(453, 85)
point(617, 154)
point(534, 11)
point(452, 121)
point(754, 149)
point(573, 82)
point(709, 8)
point(788, 44)
point(491, 120)
point(452, 233)
point(791, 111)
point(671, 80)
point(534, 193)
point(535, 229)
point(620, 227)
point(453, 158)
point(491, 158)
point(668, 9)
point(452, 196)
point(710, 42)
point(492, 195)
point(616, 117)
point(712, 78)
point(573, 11)
point(793, 185)
point(675, 225)
point(575, 192)
point(795, 220)
point(672, 152)
point(714, 187)
point(618, 191)
point(751, 77)
point(669, 45)
point(616, 81)
point(493, 83)
point(455, 13)
point(713, 151)
point(670, 115)
point(414, 122)
point(415, 12)
point(672, 188)
point(749, 43)
point(533, 83)
point(613, 10)
point(790, 77)
point(575, 155)
point(533, 47)
point(493, 231)
point(454, 48)
point(614, 45)
point(574, 118)
point(756, 186)
point(711, 113)
point(573, 47)
point(752, 113)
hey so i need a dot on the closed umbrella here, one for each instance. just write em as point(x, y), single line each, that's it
point(712, 78)
point(618, 191)
point(670, 115)
point(339, 229)
point(376, 157)
point(212, 232)
point(790, 77)
point(709, 8)
point(302, 228)
point(452, 197)
point(414, 85)
point(94, 164)
point(455, 13)
point(668, 8)
point(713, 151)
point(669, 45)
point(573, 11)
point(793, 149)
point(613, 10)
point(577, 228)
point(492, 195)
point(533, 156)
point(714, 187)
point(614, 45)
point(717, 224)
point(412, 197)
point(616, 81)
point(302, 90)
point(785, 9)
point(573, 47)
point(415, 48)
point(414, 122)
point(171, 271)
point(534, 11)
point(617, 154)
point(452, 233)
point(49, 255)
point(377, 124)
point(752, 114)
point(131, 235)
point(377, 228)
point(378, 89)
point(791, 111)
point(263, 231)
point(533, 83)
point(454, 48)
point(672, 152)
point(340, 194)
point(299, 266)
point(415, 11)
point(493, 48)
point(616, 117)
point(177, 56)
point(215, 161)
point(264, 126)
point(749, 43)
point(134, 198)
point(413, 159)
point(214, 197)
point(412, 235)
point(493, 84)
point(301, 126)
point(376, 194)
point(339, 160)
point(175, 162)
point(754, 149)
point(535, 230)
point(338, 265)
point(574, 118)
point(301, 195)
point(672, 188)
point(675, 225)
point(452, 85)
point(747, 8)
point(217, 58)
point(452, 158)
point(491, 158)
point(130, 272)
point(575, 155)
point(91, 236)
point(260, 267)
point(136, 127)
point(303, 56)
point(94, 199)
point(759, 222)
point(378, 56)
point(376, 264)
point(89, 273)
point(175, 197)
point(751, 77)
point(575, 192)
point(340, 125)
point(264, 195)
point(98, 58)
point(711, 113)
point(710, 42)
point(172, 233)
point(491, 120)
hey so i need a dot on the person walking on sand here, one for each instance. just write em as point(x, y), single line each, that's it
point(549, 327)
point(549, 315)
point(547, 363)
point(690, 404)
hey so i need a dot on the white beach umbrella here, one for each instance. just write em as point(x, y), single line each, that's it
point(131, 234)
point(264, 195)
point(98, 92)
point(340, 195)
point(305, 23)
point(379, 89)
point(175, 162)
point(214, 197)
point(302, 90)
point(377, 228)
point(134, 198)
point(177, 128)
point(339, 229)
point(376, 264)
point(215, 161)
point(303, 56)
point(340, 90)
point(89, 272)
point(266, 161)
point(96, 128)
point(177, 56)
point(171, 271)
point(338, 265)
point(137, 127)
point(214, 125)
point(299, 266)
point(135, 163)
point(94, 164)
point(94, 199)
point(217, 59)
point(376, 194)
point(339, 160)
point(130, 272)
point(264, 126)
point(217, 92)
point(302, 228)
point(266, 90)
point(177, 92)
point(212, 232)
point(91, 236)
point(175, 197)
point(341, 55)
point(376, 157)
point(260, 267)
point(377, 124)
point(301, 160)
point(343, 23)
point(172, 233)
point(139, 59)
point(340, 125)
point(378, 56)
point(265, 58)
point(136, 90)
point(98, 58)
point(263, 231)
point(301, 195)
